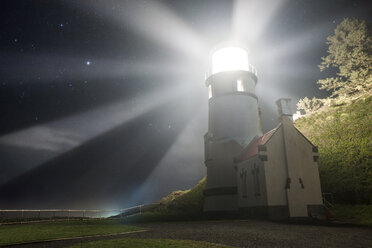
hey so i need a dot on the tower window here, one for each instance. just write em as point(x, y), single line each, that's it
point(210, 91)
point(240, 86)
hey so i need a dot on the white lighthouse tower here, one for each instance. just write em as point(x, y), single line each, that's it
point(234, 120)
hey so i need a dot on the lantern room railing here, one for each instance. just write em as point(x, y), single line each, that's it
point(250, 68)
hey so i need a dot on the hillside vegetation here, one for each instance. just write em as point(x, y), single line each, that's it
point(178, 205)
point(185, 200)
point(343, 134)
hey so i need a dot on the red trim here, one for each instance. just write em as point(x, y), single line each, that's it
point(252, 148)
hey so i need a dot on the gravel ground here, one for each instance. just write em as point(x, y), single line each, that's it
point(249, 233)
point(254, 233)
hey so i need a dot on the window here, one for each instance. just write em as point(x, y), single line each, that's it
point(240, 86)
point(210, 91)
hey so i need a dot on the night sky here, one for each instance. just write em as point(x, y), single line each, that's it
point(103, 103)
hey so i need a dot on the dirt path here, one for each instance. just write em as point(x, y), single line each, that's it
point(248, 233)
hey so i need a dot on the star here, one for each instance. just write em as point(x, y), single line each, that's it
point(88, 62)
point(15, 40)
point(61, 25)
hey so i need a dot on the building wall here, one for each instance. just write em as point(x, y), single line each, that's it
point(289, 156)
point(233, 114)
point(251, 183)
point(303, 172)
point(221, 191)
point(275, 170)
point(235, 117)
point(233, 122)
point(221, 203)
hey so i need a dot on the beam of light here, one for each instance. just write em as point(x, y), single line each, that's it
point(229, 59)
point(283, 80)
point(293, 45)
point(151, 19)
point(183, 163)
point(49, 67)
point(292, 70)
point(250, 18)
point(267, 97)
point(46, 141)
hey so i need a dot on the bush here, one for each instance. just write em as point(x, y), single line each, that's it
point(310, 105)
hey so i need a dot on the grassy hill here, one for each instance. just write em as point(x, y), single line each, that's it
point(343, 133)
point(178, 205)
point(192, 199)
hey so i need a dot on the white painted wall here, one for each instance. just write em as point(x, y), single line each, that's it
point(275, 170)
point(251, 199)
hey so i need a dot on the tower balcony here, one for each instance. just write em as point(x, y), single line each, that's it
point(250, 68)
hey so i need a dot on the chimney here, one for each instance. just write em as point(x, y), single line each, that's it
point(284, 108)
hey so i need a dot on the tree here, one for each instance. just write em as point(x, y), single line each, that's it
point(310, 105)
point(350, 51)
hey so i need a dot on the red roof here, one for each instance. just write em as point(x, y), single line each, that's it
point(252, 148)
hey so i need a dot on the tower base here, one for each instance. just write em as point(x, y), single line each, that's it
point(221, 203)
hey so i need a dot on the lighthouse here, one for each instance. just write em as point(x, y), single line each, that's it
point(233, 121)
point(249, 173)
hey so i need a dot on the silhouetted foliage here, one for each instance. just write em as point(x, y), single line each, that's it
point(350, 51)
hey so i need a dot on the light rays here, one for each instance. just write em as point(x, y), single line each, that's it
point(50, 67)
point(57, 137)
point(184, 159)
point(293, 45)
point(250, 19)
point(153, 21)
point(277, 54)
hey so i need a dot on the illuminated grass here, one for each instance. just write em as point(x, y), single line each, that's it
point(147, 243)
point(10, 234)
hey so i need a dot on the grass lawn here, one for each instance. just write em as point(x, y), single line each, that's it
point(60, 229)
point(147, 243)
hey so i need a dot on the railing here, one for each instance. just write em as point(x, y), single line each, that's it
point(328, 200)
point(251, 69)
point(22, 215)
